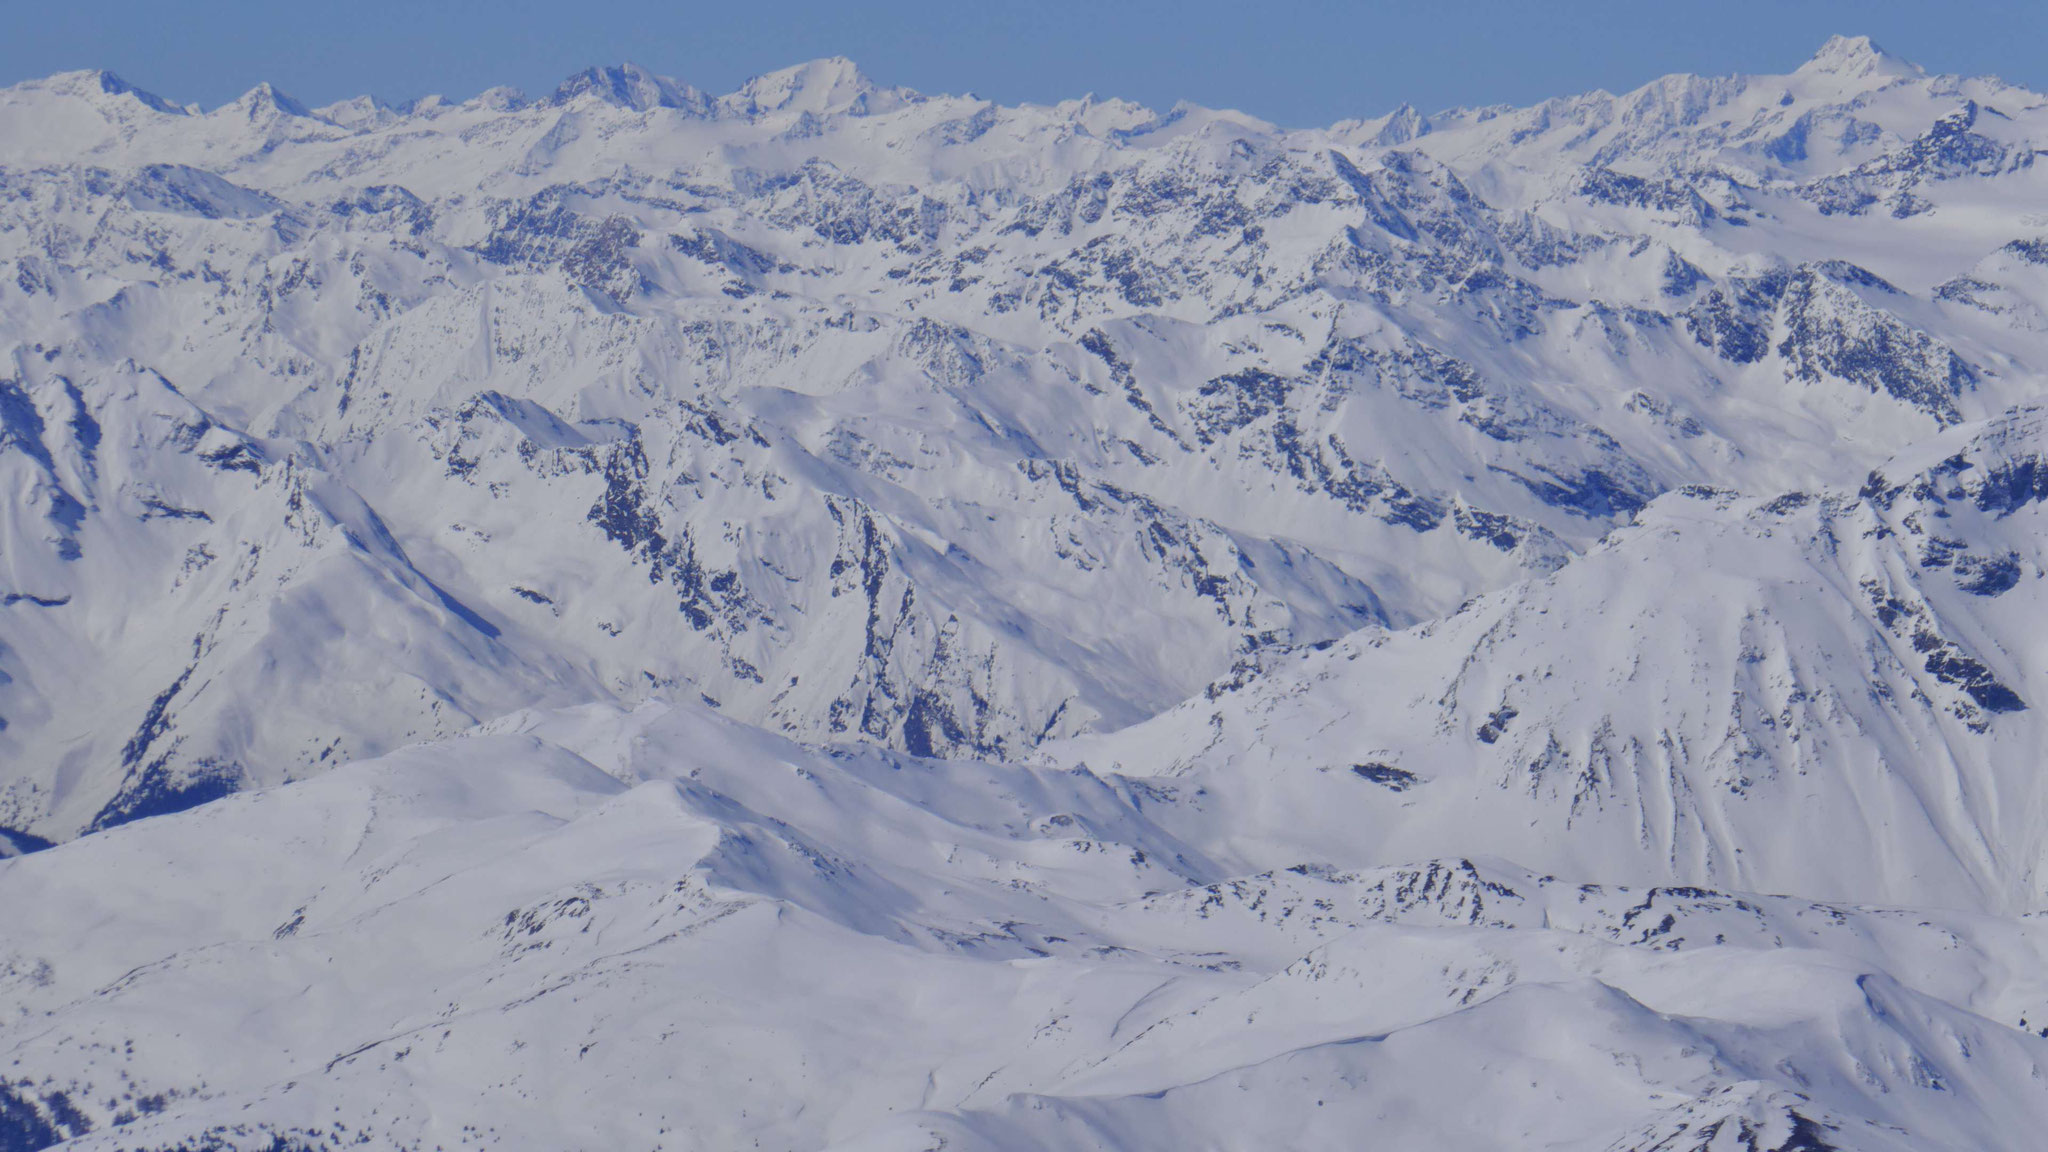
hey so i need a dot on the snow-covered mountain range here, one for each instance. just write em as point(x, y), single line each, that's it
point(827, 616)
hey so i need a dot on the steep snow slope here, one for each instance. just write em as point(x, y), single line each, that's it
point(1828, 693)
point(664, 929)
point(917, 420)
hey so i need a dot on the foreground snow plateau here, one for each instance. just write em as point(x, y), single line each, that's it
point(663, 928)
point(831, 617)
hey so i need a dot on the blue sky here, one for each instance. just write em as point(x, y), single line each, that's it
point(1297, 62)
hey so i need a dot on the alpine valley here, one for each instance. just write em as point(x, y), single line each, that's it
point(826, 617)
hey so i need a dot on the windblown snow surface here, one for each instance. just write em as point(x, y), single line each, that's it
point(832, 618)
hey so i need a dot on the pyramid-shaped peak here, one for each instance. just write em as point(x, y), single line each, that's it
point(1401, 126)
point(629, 86)
point(820, 87)
point(265, 100)
point(1857, 58)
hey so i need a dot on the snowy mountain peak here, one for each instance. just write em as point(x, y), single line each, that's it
point(629, 86)
point(502, 98)
point(264, 102)
point(820, 87)
point(1401, 126)
point(98, 84)
point(1858, 58)
point(361, 113)
point(1101, 117)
